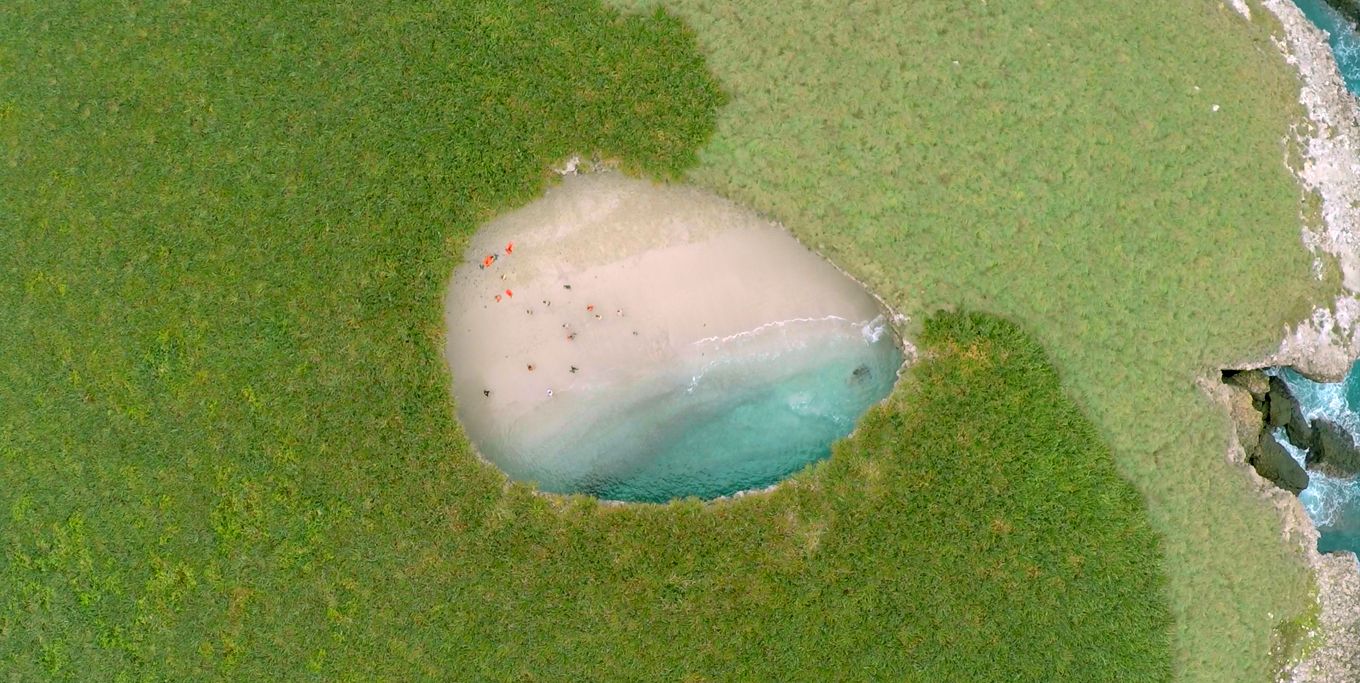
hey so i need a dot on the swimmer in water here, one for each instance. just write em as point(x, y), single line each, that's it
point(574, 369)
point(550, 393)
point(531, 367)
point(486, 392)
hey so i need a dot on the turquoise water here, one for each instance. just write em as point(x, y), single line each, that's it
point(740, 415)
point(1344, 40)
point(1333, 504)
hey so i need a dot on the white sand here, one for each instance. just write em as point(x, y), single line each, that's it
point(671, 272)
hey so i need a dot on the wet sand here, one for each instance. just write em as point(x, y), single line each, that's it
point(607, 282)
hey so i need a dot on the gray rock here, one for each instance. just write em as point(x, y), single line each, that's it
point(1333, 450)
point(1274, 463)
point(1284, 411)
point(1246, 419)
point(1255, 381)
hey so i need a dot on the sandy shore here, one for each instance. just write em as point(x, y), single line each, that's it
point(607, 281)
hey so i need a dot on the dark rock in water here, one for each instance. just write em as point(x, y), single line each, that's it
point(1333, 450)
point(1348, 8)
point(860, 373)
point(1284, 411)
point(1256, 382)
point(1249, 403)
point(1274, 463)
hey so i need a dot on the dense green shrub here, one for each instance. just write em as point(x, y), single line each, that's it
point(1110, 175)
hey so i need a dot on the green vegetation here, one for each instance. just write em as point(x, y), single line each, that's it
point(1298, 638)
point(225, 438)
point(1059, 164)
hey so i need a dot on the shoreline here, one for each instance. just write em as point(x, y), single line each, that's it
point(575, 165)
point(648, 276)
point(1326, 343)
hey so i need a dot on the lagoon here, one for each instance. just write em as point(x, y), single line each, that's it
point(643, 342)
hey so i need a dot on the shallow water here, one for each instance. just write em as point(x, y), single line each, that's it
point(740, 415)
point(1342, 36)
point(645, 342)
point(1333, 504)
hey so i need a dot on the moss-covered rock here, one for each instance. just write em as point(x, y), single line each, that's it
point(1273, 462)
point(1256, 382)
point(1247, 420)
point(1333, 451)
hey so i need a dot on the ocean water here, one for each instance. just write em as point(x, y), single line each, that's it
point(733, 415)
point(1333, 504)
point(1342, 36)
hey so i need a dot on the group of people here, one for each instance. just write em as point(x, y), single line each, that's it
point(490, 260)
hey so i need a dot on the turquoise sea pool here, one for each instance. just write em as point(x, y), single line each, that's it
point(738, 415)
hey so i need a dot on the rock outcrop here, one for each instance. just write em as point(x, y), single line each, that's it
point(1248, 418)
point(1255, 382)
point(1260, 404)
point(1273, 462)
point(1333, 451)
point(1284, 411)
point(1272, 397)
